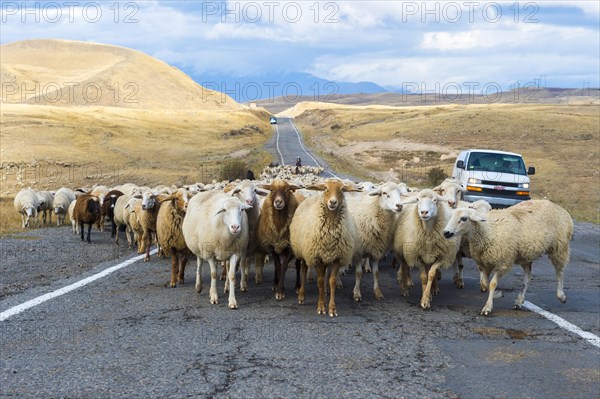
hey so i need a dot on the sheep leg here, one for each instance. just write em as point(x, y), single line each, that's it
point(526, 280)
point(458, 268)
point(23, 225)
point(484, 277)
point(226, 273)
point(81, 231)
point(332, 286)
point(174, 269)
point(376, 289)
point(487, 309)
point(89, 231)
point(198, 274)
point(321, 284)
point(430, 277)
point(367, 266)
point(244, 266)
point(298, 271)
point(302, 290)
point(223, 276)
point(182, 262)
point(259, 264)
point(404, 278)
point(117, 234)
point(280, 289)
point(277, 274)
point(214, 298)
point(559, 258)
point(357, 277)
point(147, 238)
point(234, 260)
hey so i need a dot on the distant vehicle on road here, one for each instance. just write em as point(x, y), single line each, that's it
point(272, 120)
point(498, 177)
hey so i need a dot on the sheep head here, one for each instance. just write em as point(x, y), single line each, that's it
point(427, 203)
point(333, 192)
point(92, 205)
point(246, 191)
point(460, 222)
point(148, 200)
point(231, 211)
point(389, 196)
point(451, 189)
point(280, 193)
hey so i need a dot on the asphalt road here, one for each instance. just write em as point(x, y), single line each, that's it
point(127, 335)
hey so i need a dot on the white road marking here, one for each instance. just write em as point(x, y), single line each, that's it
point(277, 144)
point(588, 336)
point(64, 290)
point(302, 145)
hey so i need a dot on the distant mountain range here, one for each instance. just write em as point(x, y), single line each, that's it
point(291, 85)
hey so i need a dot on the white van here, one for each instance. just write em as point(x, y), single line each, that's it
point(498, 177)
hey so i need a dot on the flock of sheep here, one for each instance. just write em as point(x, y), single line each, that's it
point(324, 225)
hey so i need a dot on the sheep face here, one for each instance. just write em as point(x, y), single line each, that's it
point(148, 200)
point(180, 200)
point(280, 193)
point(246, 191)
point(333, 192)
point(451, 190)
point(460, 222)
point(231, 211)
point(58, 210)
point(427, 204)
point(93, 205)
point(389, 196)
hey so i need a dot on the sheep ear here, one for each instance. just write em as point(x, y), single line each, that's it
point(293, 187)
point(351, 189)
point(246, 207)
point(411, 199)
point(266, 187)
point(317, 187)
point(137, 196)
point(476, 216)
point(228, 188)
point(261, 192)
point(375, 191)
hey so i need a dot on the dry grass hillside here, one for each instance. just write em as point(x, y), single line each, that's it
point(72, 73)
point(176, 131)
point(562, 141)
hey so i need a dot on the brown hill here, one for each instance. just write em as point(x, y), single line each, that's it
point(73, 73)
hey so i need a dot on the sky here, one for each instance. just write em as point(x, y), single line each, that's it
point(433, 45)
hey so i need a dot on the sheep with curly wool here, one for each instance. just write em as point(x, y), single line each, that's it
point(169, 222)
point(324, 236)
point(374, 214)
point(419, 240)
point(215, 228)
point(273, 231)
point(516, 235)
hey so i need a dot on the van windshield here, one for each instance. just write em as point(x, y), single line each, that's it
point(502, 163)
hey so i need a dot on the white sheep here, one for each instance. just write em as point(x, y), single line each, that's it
point(519, 234)
point(72, 217)
point(419, 242)
point(27, 203)
point(60, 203)
point(374, 215)
point(247, 192)
point(215, 228)
point(45, 205)
point(324, 236)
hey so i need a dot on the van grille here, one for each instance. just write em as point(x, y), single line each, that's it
point(496, 183)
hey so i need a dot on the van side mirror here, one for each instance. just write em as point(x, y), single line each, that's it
point(460, 164)
point(531, 170)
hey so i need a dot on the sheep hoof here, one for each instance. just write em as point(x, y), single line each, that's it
point(214, 300)
point(233, 305)
point(339, 285)
point(333, 313)
point(244, 289)
point(357, 297)
point(426, 303)
point(562, 299)
point(485, 312)
point(279, 296)
point(171, 284)
point(147, 259)
point(321, 309)
point(258, 280)
point(198, 289)
point(517, 306)
point(378, 295)
point(483, 289)
point(300, 301)
point(180, 282)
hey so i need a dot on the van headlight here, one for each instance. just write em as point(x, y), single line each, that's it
point(473, 180)
point(524, 185)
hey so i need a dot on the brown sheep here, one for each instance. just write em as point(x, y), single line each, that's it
point(170, 235)
point(87, 211)
point(147, 218)
point(273, 231)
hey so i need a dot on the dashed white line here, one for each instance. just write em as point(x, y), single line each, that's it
point(588, 336)
point(303, 148)
point(277, 144)
point(64, 290)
